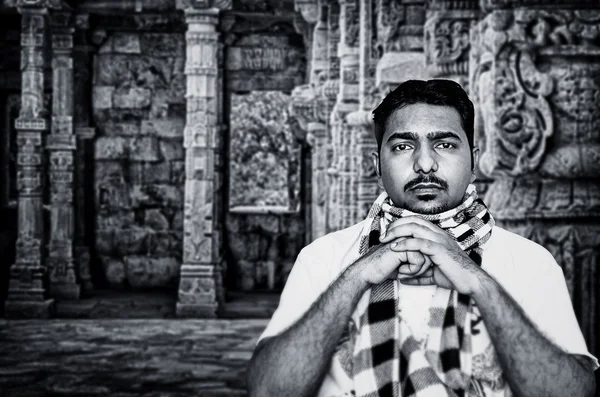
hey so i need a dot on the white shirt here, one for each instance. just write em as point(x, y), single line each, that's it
point(526, 271)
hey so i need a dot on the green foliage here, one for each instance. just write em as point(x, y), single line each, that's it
point(264, 156)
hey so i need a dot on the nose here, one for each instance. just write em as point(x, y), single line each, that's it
point(424, 161)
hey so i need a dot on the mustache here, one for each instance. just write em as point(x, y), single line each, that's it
point(426, 179)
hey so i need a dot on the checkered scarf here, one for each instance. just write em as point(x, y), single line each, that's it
point(387, 360)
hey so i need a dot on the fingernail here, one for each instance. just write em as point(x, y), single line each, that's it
point(394, 245)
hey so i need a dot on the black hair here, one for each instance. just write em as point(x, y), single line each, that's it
point(432, 92)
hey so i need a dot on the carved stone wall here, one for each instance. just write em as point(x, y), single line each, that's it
point(535, 77)
point(139, 112)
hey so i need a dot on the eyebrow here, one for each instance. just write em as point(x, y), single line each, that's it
point(413, 136)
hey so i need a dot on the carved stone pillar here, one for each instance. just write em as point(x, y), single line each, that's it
point(535, 78)
point(26, 290)
point(400, 41)
point(82, 59)
point(200, 277)
point(310, 108)
point(342, 172)
point(361, 122)
point(61, 146)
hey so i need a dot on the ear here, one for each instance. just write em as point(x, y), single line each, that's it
point(376, 163)
point(475, 154)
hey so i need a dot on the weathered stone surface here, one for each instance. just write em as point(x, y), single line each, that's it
point(134, 98)
point(133, 240)
point(112, 194)
point(149, 272)
point(157, 195)
point(105, 242)
point(126, 43)
point(178, 173)
point(144, 148)
point(125, 129)
point(159, 244)
point(116, 220)
point(102, 97)
point(114, 271)
point(155, 173)
point(163, 45)
point(111, 148)
point(168, 128)
point(177, 358)
point(172, 149)
point(155, 219)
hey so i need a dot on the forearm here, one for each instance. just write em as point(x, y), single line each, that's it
point(295, 362)
point(532, 365)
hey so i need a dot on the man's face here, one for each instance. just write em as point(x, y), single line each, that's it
point(425, 158)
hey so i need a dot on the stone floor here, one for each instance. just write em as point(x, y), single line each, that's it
point(126, 358)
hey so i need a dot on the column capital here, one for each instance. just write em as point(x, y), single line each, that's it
point(24, 5)
point(309, 9)
point(204, 5)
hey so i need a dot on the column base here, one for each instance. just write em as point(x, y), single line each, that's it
point(65, 291)
point(188, 310)
point(29, 309)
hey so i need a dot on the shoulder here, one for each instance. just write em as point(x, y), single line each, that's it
point(333, 250)
point(519, 264)
point(340, 240)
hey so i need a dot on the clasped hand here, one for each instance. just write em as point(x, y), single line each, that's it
point(420, 253)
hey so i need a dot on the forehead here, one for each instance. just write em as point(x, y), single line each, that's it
point(422, 118)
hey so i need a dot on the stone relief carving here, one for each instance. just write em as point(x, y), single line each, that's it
point(447, 44)
point(352, 23)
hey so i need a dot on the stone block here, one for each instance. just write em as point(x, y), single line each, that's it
point(155, 173)
point(155, 219)
point(148, 272)
point(112, 194)
point(208, 310)
point(176, 248)
point(159, 243)
point(126, 43)
point(178, 87)
point(165, 128)
point(112, 170)
point(163, 44)
point(110, 148)
point(114, 271)
point(177, 222)
point(132, 98)
point(178, 173)
point(144, 148)
point(196, 290)
point(113, 70)
point(120, 128)
point(116, 220)
point(135, 172)
point(102, 97)
point(157, 195)
point(172, 149)
point(265, 222)
point(104, 242)
point(244, 246)
point(131, 241)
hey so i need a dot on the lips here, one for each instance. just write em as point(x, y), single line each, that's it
point(426, 186)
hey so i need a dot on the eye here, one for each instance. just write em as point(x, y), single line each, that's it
point(401, 147)
point(446, 145)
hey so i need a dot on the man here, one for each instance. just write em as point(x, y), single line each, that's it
point(425, 297)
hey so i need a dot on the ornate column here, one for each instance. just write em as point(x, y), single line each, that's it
point(26, 290)
point(342, 172)
point(400, 43)
point(535, 78)
point(361, 121)
point(61, 146)
point(310, 108)
point(200, 277)
point(82, 59)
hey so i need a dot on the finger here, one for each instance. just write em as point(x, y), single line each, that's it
point(428, 272)
point(413, 230)
point(428, 247)
point(417, 220)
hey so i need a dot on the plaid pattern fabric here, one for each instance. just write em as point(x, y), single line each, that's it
point(387, 359)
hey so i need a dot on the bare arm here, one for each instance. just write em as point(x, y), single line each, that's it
point(532, 365)
point(296, 361)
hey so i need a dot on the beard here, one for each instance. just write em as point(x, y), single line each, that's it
point(431, 209)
